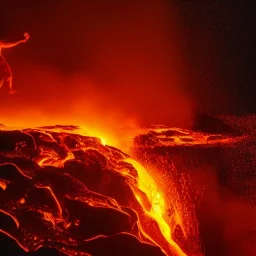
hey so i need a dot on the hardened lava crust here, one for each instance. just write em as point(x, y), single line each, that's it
point(66, 194)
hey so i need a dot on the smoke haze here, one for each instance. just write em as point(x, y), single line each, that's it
point(104, 60)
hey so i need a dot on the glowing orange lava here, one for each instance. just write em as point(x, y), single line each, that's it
point(53, 168)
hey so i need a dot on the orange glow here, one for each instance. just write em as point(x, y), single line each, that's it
point(104, 76)
point(3, 184)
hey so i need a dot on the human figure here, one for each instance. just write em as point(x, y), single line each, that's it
point(4, 66)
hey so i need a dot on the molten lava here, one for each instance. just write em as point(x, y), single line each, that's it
point(73, 193)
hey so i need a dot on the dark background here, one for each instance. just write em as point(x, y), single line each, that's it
point(149, 61)
point(220, 45)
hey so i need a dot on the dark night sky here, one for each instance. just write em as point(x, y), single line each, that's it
point(221, 37)
point(212, 53)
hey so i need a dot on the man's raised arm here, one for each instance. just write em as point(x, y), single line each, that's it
point(9, 45)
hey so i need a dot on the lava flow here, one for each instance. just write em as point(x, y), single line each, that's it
point(71, 193)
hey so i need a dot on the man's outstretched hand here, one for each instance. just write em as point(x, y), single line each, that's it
point(26, 37)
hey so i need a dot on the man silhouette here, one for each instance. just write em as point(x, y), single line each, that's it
point(4, 66)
